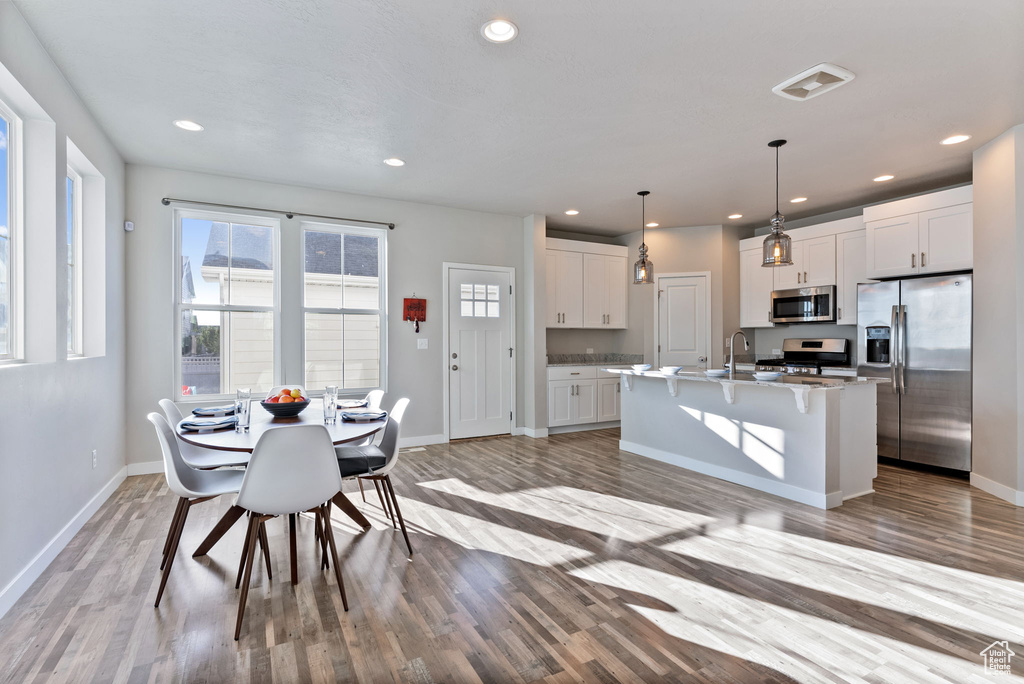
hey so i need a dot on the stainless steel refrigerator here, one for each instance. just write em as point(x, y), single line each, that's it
point(917, 333)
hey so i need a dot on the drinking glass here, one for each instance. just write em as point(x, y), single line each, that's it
point(243, 404)
point(331, 404)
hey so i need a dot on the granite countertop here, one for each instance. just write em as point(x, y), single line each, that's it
point(808, 381)
point(606, 359)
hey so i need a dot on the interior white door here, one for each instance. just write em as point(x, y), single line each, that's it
point(682, 320)
point(480, 353)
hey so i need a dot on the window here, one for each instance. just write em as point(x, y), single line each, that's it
point(74, 240)
point(227, 308)
point(344, 296)
point(9, 234)
point(480, 301)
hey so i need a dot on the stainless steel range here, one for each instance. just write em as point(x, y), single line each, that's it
point(808, 356)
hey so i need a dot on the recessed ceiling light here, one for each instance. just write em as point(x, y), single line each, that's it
point(571, 212)
point(798, 200)
point(954, 139)
point(394, 161)
point(186, 125)
point(882, 179)
point(499, 31)
point(652, 224)
point(735, 216)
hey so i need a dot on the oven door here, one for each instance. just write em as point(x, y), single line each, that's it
point(804, 305)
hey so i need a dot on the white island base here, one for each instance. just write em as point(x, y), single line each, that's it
point(808, 440)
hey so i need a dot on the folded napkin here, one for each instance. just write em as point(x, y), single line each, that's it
point(352, 403)
point(363, 416)
point(224, 410)
point(208, 423)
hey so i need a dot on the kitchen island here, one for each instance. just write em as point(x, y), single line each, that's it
point(809, 439)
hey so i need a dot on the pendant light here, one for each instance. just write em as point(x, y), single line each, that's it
point(643, 270)
point(778, 247)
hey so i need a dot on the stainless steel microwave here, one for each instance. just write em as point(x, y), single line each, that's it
point(804, 305)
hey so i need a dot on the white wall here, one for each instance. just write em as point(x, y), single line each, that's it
point(425, 237)
point(998, 430)
point(54, 411)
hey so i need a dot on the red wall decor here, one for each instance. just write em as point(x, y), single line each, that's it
point(414, 310)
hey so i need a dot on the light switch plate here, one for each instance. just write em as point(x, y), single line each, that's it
point(421, 342)
point(776, 352)
point(590, 350)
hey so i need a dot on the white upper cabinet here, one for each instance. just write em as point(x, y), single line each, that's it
point(586, 285)
point(755, 290)
point(851, 270)
point(814, 264)
point(931, 233)
point(946, 239)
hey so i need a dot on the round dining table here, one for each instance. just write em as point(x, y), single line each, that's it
point(237, 447)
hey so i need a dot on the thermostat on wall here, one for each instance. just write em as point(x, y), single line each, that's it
point(129, 226)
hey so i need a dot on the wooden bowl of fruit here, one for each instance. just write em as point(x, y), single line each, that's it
point(286, 402)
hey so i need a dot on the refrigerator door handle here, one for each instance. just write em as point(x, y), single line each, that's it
point(894, 343)
point(903, 348)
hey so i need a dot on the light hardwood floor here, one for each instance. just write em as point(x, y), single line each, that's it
point(554, 560)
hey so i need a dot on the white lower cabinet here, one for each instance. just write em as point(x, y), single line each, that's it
point(578, 395)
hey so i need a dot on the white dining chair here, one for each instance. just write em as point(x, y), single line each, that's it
point(192, 487)
point(291, 471)
point(194, 456)
point(373, 401)
point(371, 462)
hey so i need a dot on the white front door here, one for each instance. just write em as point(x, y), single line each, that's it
point(479, 363)
point(682, 320)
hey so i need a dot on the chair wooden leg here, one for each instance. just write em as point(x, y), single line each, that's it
point(171, 551)
point(241, 560)
point(385, 504)
point(182, 503)
point(322, 540)
point(265, 545)
point(329, 533)
point(254, 526)
point(292, 548)
point(361, 492)
point(398, 511)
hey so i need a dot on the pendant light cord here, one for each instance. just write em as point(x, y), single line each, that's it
point(643, 219)
point(777, 180)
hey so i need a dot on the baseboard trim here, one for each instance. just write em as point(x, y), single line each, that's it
point(147, 468)
point(1014, 496)
point(763, 484)
point(562, 429)
point(535, 433)
point(10, 594)
point(423, 440)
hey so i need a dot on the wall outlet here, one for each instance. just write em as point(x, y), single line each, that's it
point(590, 350)
point(421, 342)
point(93, 458)
point(728, 342)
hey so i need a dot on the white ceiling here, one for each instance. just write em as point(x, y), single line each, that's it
point(595, 100)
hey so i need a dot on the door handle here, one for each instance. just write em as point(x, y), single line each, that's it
point(894, 334)
point(922, 259)
point(454, 367)
point(903, 348)
point(454, 355)
point(913, 260)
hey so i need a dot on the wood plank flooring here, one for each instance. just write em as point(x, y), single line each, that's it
point(554, 560)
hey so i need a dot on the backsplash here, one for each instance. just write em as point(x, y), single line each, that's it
point(591, 359)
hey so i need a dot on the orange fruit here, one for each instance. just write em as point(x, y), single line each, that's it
point(285, 400)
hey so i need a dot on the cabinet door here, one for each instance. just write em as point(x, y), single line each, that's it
point(586, 401)
point(561, 402)
point(892, 246)
point(595, 291)
point(755, 291)
point(553, 296)
point(608, 399)
point(851, 269)
point(616, 279)
point(571, 287)
point(946, 239)
point(790, 277)
point(817, 261)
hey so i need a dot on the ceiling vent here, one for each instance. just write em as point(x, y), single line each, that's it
point(813, 82)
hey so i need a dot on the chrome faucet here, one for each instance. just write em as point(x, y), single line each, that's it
point(732, 350)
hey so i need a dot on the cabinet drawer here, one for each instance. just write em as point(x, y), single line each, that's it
point(572, 372)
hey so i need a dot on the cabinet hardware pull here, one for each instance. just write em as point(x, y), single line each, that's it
point(805, 277)
point(573, 373)
point(913, 260)
point(840, 313)
point(922, 259)
point(798, 277)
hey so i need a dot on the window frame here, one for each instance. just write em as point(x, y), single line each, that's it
point(15, 258)
point(75, 297)
point(224, 217)
point(382, 299)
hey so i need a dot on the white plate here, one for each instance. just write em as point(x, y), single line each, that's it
point(670, 370)
point(716, 372)
point(767, 375)
point(641, 366)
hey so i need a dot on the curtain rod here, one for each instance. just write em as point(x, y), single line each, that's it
point(289, 214)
